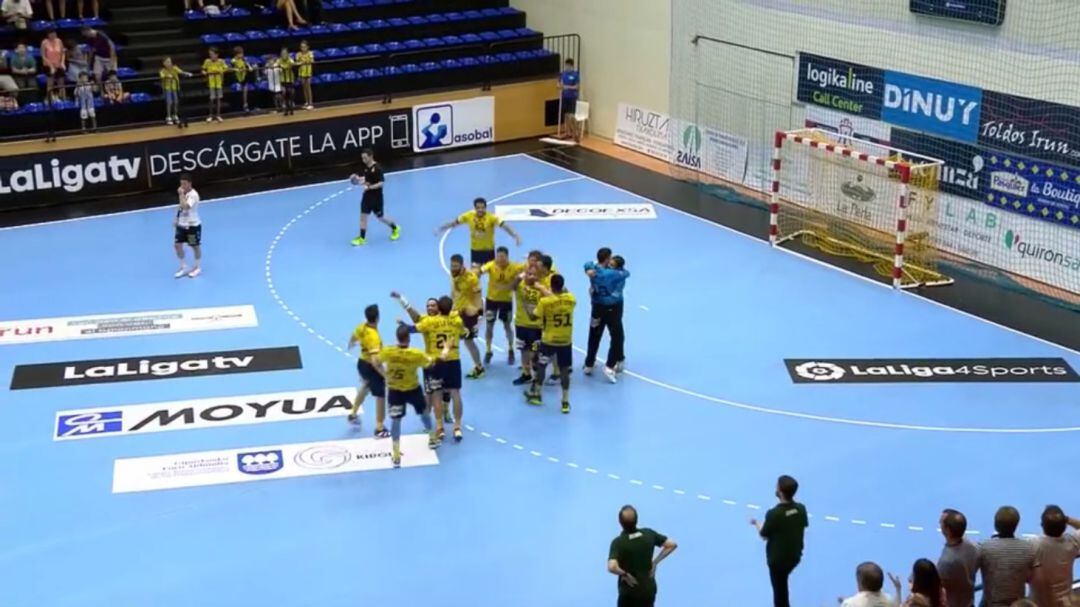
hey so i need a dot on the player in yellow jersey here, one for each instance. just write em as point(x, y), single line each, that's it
point(367, 364)
point(481, 231)
point(499, 305)
point(400, 364)
point(241, 68)
point(526, 326)
point(468, 302)
point(430, 327)
point(214, 69)
point(555, 311)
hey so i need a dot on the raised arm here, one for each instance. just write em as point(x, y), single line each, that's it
point(413, 314)
point(509, 230)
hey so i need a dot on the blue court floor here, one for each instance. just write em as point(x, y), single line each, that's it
point(522, 511)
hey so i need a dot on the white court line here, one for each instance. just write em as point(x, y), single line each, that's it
point(807, 258)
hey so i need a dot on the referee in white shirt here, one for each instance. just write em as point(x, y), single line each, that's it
point(188, 227)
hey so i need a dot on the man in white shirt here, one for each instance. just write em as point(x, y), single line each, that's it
point(870, 578)
point(17, 12)
point(188, 227)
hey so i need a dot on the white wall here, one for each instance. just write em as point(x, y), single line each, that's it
point(625, 50)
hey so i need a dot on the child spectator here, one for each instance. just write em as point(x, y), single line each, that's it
point(288, 79)
point(54, 59)
point(214, 69)
point(305, 59)
point(170, 86)
point(8, 102)
point(241, 68)
point(23, 69)
point(84, 96)
point(273, 81)
point(113, 90)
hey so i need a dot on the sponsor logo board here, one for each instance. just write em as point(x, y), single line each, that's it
point(167, 366)
point(453, 124)
point(124, 420)
point(13, 332)
point(848, 128)
point(1033, 188)
point(1031, 127)
point(932, 106)
point(644, 131)
point(574, 212)
point(840, 85)
point(930, 370)
point(225, 466)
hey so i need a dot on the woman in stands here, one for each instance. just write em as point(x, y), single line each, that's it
point(926, 589)
point(292, 15)
point(54, 59)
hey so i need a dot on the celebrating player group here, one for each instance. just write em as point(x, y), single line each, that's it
point(528, 299)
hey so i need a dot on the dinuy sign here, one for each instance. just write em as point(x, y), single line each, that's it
point(932, 106)
point(78, 174)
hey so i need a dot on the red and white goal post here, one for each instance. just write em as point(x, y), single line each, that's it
point(857, 199)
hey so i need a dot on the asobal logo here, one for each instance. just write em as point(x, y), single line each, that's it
point(69, 177)
point(1021, 247)
point(689, 153)
point(51, 375)
point(202, 413)
point(930, 370)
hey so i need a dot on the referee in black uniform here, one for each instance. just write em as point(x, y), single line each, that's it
point(372, 202)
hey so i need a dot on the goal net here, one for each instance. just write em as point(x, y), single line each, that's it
point(858, 199)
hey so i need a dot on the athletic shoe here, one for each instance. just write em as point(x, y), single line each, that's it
point(476, 373)
point(219, 119)
point(510, 358)
point(440, 433)
point(309, 107)
point(565, 407)
point(533, 398)
point(457, 435)
point(396, 459)
point(587, 370)
point(524, 379)
point(209, 118)
point(609, 373)
point(168, 121)
point(358, 241)
point(487, 357)
point(182, 272)
point(551, 380)
point(195, 273)
point(620, 366)
point(352, 418)
point(382, 433)
point(395, 233)
point(433, 441)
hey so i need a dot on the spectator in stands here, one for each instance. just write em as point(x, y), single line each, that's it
point(82, 13)
point(305, 62)
point(783, 530)
point(170, 88)
point(214, 69)
point(188, 4)
point(241, 68)
point(23, 69)
point(17, 13)
point(7, 83)
point(113, 90)
point(54, 60)
point(1056, 552)
point(569, 82)
point(958, 561)
point(313, 11)
point(102, 50)
point(84, 96)
point(287, 67)
point(1005, 561)
point(925, 586)
point(292, 16)
point(869, 579)
point(78, 60)
point(50, 11)
point(273, 81)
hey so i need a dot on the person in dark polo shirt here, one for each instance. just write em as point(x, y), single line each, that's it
point(783, 531)
point(631, 558)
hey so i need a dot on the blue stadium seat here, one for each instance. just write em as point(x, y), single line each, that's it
point(398, 22)
point(429, 66)
point(363, 3)
point(418, 20)
point(349, 75)
point(39, 26)
point(394, 47)
point(454, 16)
point(489, 36)
point(63, 24)
point(525, 32)
point(341, 3)
point(452, 40)
point(359, 25)
point(211, 39)
point(473, 15)
point(235, 87)
point(98, 102)
point(319, 30)
point(333, 53)
point(140, 97)
point(391, 70)
point(508, 10)
point(300, 32)
point(371, 73)
point(328, 78)
point(31, 108)
point(327, 6)
point(524, 54)
point(471, 38)
point(409, 68)
point(469, 62)
point(378, 23)
point(318, 54)
point(255, 35)
point(490, 12)
point(353, 51)
point(450, 64)
point(437, 18)
point(413, 45)
point(383, 2)
point(374, 49)
point(277, 33)
point(235, 37)
point(239, 12)
point(433, 42)
point(487, 59)
point(508, 34)
point(504, 57)
point(193, 15)
point(266, 11)
point(337, 28)
point(126, 72)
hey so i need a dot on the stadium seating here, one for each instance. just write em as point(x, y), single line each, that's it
point(367, 48)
